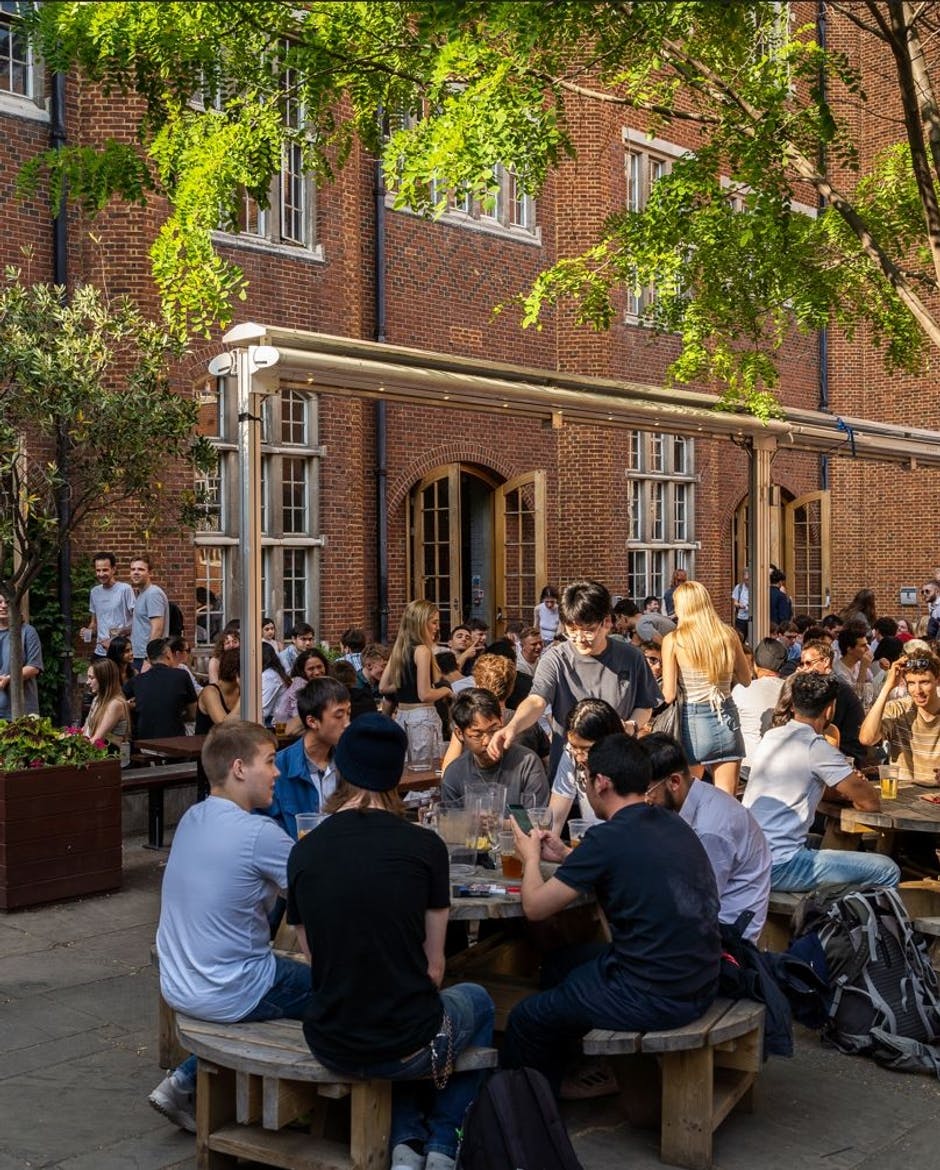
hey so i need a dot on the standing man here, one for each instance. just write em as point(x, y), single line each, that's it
point(222, 879)
point(679, 577)
point(369, 894)
point(32, 664)
point(589, 665)
point(741, 600)
point(151, 610)
point(111, 605)
point(655, 884)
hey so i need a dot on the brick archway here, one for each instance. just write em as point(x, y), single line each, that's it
point(441, 455)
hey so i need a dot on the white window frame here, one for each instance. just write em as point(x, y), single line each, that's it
point(646, 160)
point(31, 101)
point(661, 483)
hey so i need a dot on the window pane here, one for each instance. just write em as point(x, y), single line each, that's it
point(636, 575)
point(680, 455)
point(636, 509)
point(209, 500)
point(293, 417)
point(680, 526)
point(294, 496)
point(265, 492)
point(211, 575)
point(634, 162)
point(15, 56)
point(657, 512)
point(659, 564)
point(294, 580)
point(657, 453)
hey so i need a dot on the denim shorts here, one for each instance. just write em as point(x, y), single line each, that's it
point(710, 736)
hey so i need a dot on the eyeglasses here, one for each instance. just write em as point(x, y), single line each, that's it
point(919, 664)
point(588, 636)
point(478, 734)
point(926, 592)
point(652, 788)
point(812, 661)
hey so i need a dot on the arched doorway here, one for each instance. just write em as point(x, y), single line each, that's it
point(799, 544)
point(478, 544)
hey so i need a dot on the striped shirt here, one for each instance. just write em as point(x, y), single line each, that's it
point(914, 741)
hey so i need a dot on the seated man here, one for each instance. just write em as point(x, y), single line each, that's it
point(760, 696)
point(733, 840)
point(910, 725)
point(222, 878)
point(476, 716)
point(164, 697)
point(656, 887)
point(376, 949)
point(307, 772)
point(817, 656)
point(791, 768)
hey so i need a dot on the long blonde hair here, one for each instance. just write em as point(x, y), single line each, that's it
point(702, 636)
point(411, 633)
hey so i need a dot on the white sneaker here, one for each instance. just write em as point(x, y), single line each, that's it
point(404, 1158)
point(439, 1161)
point(174, 1103)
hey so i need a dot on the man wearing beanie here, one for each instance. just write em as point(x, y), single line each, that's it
point(369, 894)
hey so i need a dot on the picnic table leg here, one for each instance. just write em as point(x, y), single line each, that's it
point(370, 1124)
point(155, 818)
point(688, 1108)
point(215, 1107)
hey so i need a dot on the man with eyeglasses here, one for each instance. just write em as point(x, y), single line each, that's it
point(588, 665)
point(816, 657)
point(910, 725)
point(735, 843)
point(791, 769)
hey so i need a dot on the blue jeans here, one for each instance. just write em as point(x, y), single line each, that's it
point(420, 1112)
point(285, 999)
point(543, 1029)
point(809, 868)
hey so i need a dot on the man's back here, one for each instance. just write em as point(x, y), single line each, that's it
point(753, 702)
point(222, 876)
point(737, 849)
point(790, 770)
point(161, 696)
point(657, 888)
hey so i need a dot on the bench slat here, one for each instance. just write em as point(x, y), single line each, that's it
point(290, 1149)
point(929, 926)
point(743, 1016)
point(690, 1037)
point(601, 1043)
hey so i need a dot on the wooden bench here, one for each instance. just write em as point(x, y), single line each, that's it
point(254, 1080)
point(707, 1069)
point(776, 934)
point(930, 928)
point(155, 779)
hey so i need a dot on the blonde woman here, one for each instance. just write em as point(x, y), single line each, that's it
point(703, 658)
point(412, 677)
point(109, 718)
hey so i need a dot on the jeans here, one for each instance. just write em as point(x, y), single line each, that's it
point(543, 1029)
point(710, 736)
point(809, 868)
point(285, 999)
point(420, 1112)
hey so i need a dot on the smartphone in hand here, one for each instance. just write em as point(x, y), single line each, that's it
point(521, 817)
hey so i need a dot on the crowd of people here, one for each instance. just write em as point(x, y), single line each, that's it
point(697, 764)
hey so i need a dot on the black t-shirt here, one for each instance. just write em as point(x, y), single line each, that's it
point(161, 696)
point(652, 877)
point(360, 884)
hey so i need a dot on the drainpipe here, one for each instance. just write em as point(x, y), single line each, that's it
point(821, 23)
point(60, 277)
point(381, 413)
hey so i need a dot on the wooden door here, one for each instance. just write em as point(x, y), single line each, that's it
point(436, 544)
point(520, 547)
point(808, 553)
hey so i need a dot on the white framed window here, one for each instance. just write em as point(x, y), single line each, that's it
point(289, 490)
point(22, 88)
point(646, 161)
point(661, 502)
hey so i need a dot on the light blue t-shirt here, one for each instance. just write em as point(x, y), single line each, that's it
point(113, 609)
point(151, 602)
point(790, 769)
point(222, 878)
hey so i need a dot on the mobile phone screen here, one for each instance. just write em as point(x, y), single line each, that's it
point(521, 817)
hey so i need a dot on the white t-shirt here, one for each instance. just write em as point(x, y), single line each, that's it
point(791, 768)
point(222, 878)
point(752, 701)
point(113, 609)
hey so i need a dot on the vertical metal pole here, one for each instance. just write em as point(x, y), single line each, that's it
point(762, 453)
point(249, 515)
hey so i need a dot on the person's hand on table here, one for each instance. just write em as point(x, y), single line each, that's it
point(528, 845)
point(553, 848)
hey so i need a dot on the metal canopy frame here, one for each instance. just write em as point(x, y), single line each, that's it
point(264, 357)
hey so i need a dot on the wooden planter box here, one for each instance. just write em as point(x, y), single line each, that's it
point(60, 833)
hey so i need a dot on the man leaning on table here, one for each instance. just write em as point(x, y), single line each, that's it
point(655, 884)
point(911, 726)
point(221, 881)
point(791, 770)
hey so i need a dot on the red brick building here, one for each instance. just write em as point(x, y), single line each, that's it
point(624, 506)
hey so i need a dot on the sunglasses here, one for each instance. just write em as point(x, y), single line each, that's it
point(919, 664)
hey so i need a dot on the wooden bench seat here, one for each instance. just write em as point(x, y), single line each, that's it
point(255, 1079)
point(155, 779)
point(707, 1069)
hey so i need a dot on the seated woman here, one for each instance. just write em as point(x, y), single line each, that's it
point(229, 639)
point(221, 700)
point(588, 721)
point(274, 682)
point(121, 653)
point(308, 665)
point(109, 718)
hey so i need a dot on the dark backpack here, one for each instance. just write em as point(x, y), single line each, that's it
point(879, 971)
point(514, 1124)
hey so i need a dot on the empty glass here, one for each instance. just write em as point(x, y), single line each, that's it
point(424, 742)
point(459, 829)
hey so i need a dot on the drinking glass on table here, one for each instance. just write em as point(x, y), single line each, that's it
point(459, 829)
point(888, 776)
point(541, 817)
point(307, 822)
point(510, 861)
point(576, 830)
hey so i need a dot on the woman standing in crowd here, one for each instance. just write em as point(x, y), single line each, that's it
point(546, 615)
point(861, 610)
point(412, 677)
point(703, 658)
point(109, 718)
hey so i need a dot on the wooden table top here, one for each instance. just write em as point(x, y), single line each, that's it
point(507, 905)
point(908, 813)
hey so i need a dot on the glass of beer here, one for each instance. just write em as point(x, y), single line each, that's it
point(307, 822)
point(888, 776)
point(508, 858)
point(576, 830)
